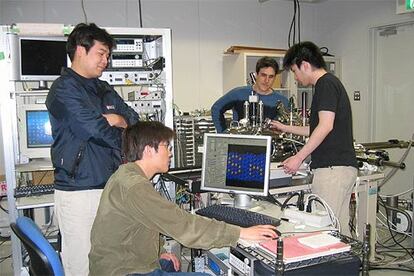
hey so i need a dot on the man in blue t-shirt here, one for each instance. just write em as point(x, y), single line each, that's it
point(266, 70)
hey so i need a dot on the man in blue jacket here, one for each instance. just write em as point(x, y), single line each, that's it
point(87, 118)
point(266, 71)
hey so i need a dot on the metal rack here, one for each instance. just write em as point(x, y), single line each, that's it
point(10, 96)
point(190, 131)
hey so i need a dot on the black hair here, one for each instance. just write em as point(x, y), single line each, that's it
point(85, 35)
point(141, 134)
point(265, 62)
point(304, 51)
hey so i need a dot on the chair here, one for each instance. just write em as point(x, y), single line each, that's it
point(43, 258)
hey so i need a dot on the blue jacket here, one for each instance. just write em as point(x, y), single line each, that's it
point(86, 150)
point(235, 99)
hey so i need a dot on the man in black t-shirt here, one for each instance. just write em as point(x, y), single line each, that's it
point(330, 143)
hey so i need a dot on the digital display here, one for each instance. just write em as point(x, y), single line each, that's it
point(39, 130)
point(42, 57)
point(246, 166)
point(236, 163)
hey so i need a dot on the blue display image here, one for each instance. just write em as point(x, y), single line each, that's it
point(39, 132)
point(246, 166)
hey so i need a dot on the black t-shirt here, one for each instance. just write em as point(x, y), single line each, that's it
point(337, 148)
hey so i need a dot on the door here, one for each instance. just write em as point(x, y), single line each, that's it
point(392, 115)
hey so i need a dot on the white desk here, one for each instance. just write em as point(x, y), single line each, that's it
point(35, 201)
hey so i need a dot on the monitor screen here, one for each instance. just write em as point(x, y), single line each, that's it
point(35, 133)
point(38, 129)
point(236, 164)
point(42, 58)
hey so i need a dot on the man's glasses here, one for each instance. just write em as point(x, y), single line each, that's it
point(168, 146)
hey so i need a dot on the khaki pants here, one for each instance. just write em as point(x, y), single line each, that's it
point(75, 213)
point(334, 185)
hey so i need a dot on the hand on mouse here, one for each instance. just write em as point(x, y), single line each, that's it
point(258, 232)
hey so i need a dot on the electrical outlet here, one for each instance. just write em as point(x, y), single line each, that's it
point(357, 95)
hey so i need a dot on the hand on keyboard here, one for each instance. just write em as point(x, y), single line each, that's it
point(258, 233)
point(255, 226)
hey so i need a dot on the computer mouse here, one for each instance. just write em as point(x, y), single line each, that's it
point(278, 234)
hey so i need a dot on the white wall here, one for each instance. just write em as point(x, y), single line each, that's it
point(203, 29)
point(344, 27)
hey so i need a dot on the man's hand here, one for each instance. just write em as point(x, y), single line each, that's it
point(292, 164)
point(173, 258)
point(278, 126)
point(258, 233)
point(115, 120)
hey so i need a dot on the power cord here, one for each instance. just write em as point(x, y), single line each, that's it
point(299, 203)
point(294, 23)
point(381, 201)
point(334, 219)
point(325, 52)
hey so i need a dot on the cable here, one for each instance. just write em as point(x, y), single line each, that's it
point(1, 207)
point(399, 232)
point(163, 188)
point(297, 1)
point(356, 187)
point(391, 246)
point(285, 203)
point(399, 194)
point(394, 170)
point(140, 13)
point(325, 51)
point(395, 226)
point(294, 141)
point(389, 228)
point(306, 232)
point(391, 268)
point(84, 11)
point(2, 259)
point(334, 219)
point(291, 24)
point(295, 23)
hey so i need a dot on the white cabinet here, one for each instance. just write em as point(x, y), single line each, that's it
point(237, 66)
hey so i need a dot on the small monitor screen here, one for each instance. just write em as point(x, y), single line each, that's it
point(39, 132)
point(236, 163)
point(42, 59)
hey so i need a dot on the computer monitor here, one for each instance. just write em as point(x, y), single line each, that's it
point(35, 133)
point(38, 58)
point(238, 164)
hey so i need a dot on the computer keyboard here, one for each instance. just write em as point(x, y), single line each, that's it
point(236, 216)
point(33, 190)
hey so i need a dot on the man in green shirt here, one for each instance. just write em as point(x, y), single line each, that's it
point(131, 216)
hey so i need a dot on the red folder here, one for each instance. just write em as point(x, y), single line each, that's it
point(294, 251)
